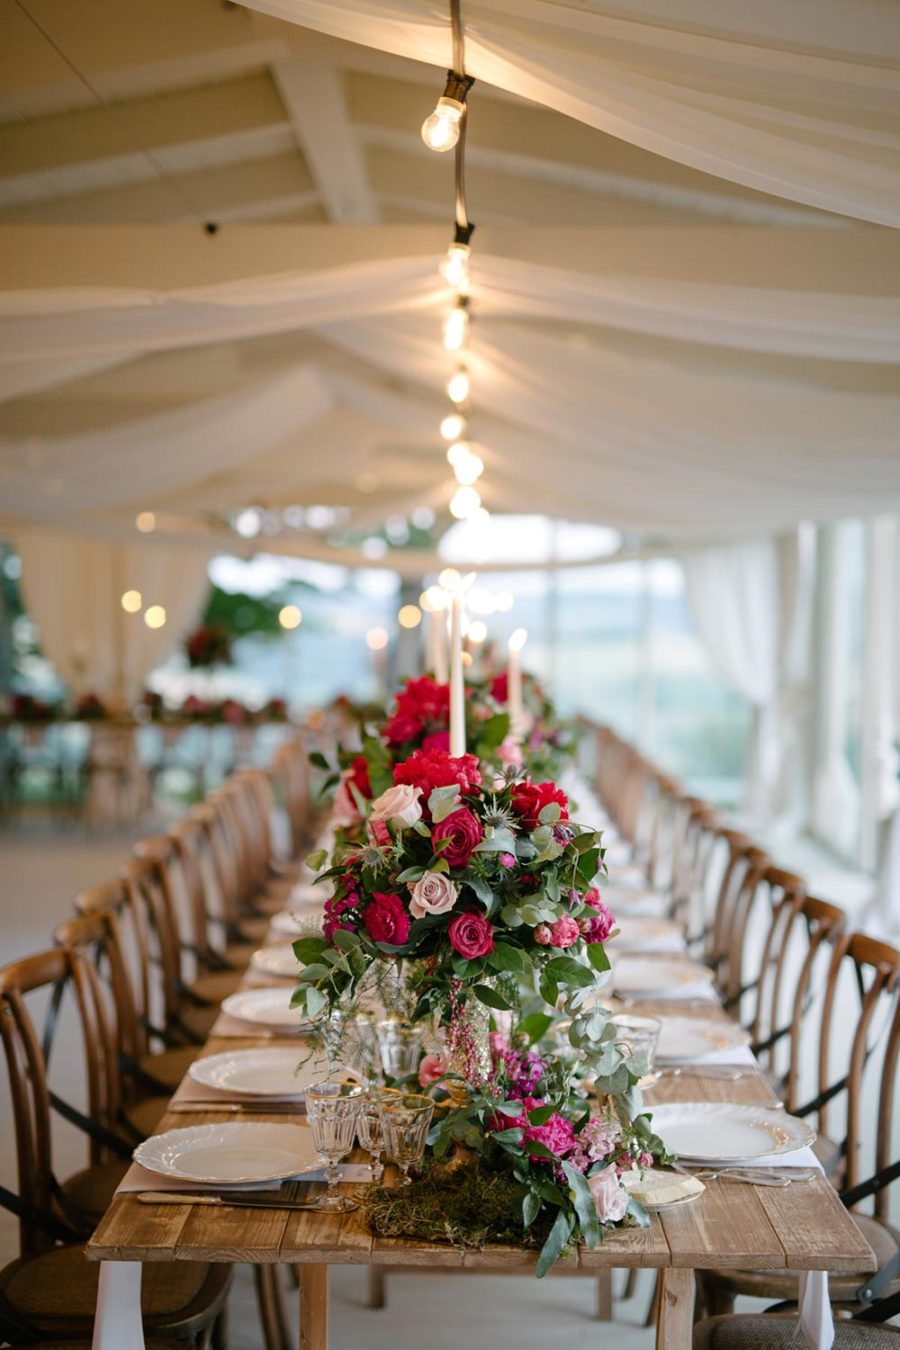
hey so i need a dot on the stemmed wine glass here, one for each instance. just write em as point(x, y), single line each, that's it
point(405, 1119)
point(400, 1046)
point(332, 1110)
point(369, 1129)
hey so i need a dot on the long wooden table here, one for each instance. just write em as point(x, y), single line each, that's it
point(802, 1227)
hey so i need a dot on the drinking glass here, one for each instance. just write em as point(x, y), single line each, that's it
point(332, 1110)
point(400, 1047)
point(369, 1131)
point(638, 1037)
point(405, 1119)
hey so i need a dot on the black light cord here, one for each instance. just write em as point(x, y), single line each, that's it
point(459, 174)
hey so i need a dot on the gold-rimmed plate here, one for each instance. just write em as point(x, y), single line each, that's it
point(725, 1132)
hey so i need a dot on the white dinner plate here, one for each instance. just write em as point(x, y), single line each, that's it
point(636, 900)
point(683, 1039)
point(293, 923)
point(269, 1007)
point(646, 934)
point(276, 1071)
point(657, 975)
point(305, 893)
point(231, 1153)
point(723, 1132)
point(278, 961)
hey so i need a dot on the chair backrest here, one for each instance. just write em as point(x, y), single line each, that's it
point(27, 1072)
point(742, 867)
point(126, 947)
point(147, 880)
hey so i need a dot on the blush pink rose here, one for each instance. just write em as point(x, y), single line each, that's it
point(434, 893)
point(510, 752)
point(471, 935)
point(399, 804)
point(432, 1070)
point(610, 1196)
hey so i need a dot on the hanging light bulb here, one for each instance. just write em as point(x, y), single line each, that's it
point(464, 503)
point(440, 131)
point(456, 326)
point(458, 387)
point(453, 427)
point(458, 453)
point(455, 267)
point(469, 470)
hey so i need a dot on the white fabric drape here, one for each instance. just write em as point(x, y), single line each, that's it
point(751, 603)
point(72, 586)
point(800, 99)
point(881, 764)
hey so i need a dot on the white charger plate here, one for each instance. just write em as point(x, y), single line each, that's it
point(277, 961)
point(683, 1039)
point(269, 1007)
point(231, 1153)
point(724, 1132)
point(657, 975)
point(643, 933)
point(290, 922)
point(276, 1071)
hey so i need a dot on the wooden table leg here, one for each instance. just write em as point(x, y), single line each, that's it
point(313, 1307)
point(674, 1323)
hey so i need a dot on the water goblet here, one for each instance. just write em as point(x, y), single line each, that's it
point(332, 1110)
point(400, 1047)
point(405, 1119)
point(638, 1037)
point(369, 1130)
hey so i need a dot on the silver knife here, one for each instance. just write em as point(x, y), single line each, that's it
point(237, 1108)
point(236, 1201)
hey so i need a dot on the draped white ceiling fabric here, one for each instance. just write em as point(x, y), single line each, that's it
point(799, 99)
point(72, 586)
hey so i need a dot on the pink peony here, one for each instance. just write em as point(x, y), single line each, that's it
point(432, 1070)
point(465, 832)
point(610, 1196)
point(387, 919)
point(438, 740)
point(529, 799)
point(565, 932)
point(438, 769)
point(471, 935)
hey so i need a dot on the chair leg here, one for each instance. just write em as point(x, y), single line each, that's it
point(603, 1287)
point(377, 1292)
point(718, 1302)
point(630, 1283)
point(267, 1300)
point(653, 1310)
point(219, 1338)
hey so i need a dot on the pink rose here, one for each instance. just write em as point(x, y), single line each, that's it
point(379, 834)
point(564, 932)
point(471, 935)
point(399, 804)
point(543, 935)
point(387, 919)
point(434, 893)
point(599, 924)
point(510, 752)
point(432, 1070)
point(465, 832)
point(610, 1196)
point(344, 813)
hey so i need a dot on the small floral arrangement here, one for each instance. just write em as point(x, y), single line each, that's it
point(90, 708)
point(28, 708)
point(548, 743)
point(276, 710)
point(484, 893)
point(208, 645)
point(154, 705)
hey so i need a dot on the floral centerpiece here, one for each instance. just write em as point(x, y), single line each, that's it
point(208, 645)
point(481, 892)
point(548, 743)
point(90, 708)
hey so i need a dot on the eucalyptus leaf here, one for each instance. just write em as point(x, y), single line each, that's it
point(584, 1205)
point(317, 860)
point(556, 1241)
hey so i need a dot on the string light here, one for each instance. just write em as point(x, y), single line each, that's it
point(458, 453)
point(453, 427)
point(449, 579)
point(145, 522)
point(456, 326)
point(376, 639)
point(458, 386)
point(464, 503)
point(469, 469)
point(441, 129)
point(435, 600)
point(155, 617)
point(290, 616)
point(131, 602)
point(409, 616)
point(477, 632)
point(455, 267)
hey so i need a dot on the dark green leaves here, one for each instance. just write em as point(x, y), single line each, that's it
point(491, 998)
point(309, 949)
point(556, 1241)
point(597, 956)
point(584, 1205)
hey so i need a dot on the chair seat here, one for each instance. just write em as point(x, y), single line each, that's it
point(57, 1291)
point(782, 1284)
point(199, 1021)
point(146, 1115)
point(214, 985)
point(91, 1190)
point(170, 1066)
point(761, 1332)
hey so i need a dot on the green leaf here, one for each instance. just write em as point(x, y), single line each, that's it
point(482, 890)
point(505, 957)
point(492, 998)
point(309, 949)
point(345, 939)
point(535, 1025)
point(492, 733)
point(596, 953)
point(315, 1001)
point(316, 970)
point(566, 970)
point(584, 1205)
point(549, 814)
point(556, 1241)
point(497, 840)
point(316, 860)
point(443, 802)
point(511, 917)
point(531, 1206)
point(318, 759)
point(511, 1136)
point(411, 874)
point(541, 1114)
point(638, 1213)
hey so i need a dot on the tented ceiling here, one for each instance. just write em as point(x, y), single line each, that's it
point(680, 355)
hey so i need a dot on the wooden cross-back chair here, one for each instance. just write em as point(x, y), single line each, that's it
point(723, 930)
point(50, 1291)
point(854, 1053)
point(290, 776)
point(765, 893)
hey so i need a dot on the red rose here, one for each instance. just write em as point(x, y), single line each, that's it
point(359, 776)
point(387, 919)
point(401, 727)
point(438, 740)
point(438, 769)
point(464, 831)
point(471, 935)
point(421, 705)
point(529, 799)
point(500, 688)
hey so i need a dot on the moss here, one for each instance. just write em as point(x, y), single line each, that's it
point(464, 1205)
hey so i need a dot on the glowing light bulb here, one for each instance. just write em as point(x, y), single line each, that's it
point(477, 632)
point(440, 131)
point(449, 579)
point(518, 639)
point(457, 453)
point(456, 329)
point(458, 387)
point(453, 427)
point(290, 616)
point(376, 639)
point(464, 503)
point(155, 617)
point(469, 470)
point(435, 600)
point(145, 521)
point(132, 602)
point(409, 616)
point(455, 267)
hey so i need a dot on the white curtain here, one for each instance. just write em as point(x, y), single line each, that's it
point(881, 760)
point(751, 603)
point(798, 99)
point(72, 588)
